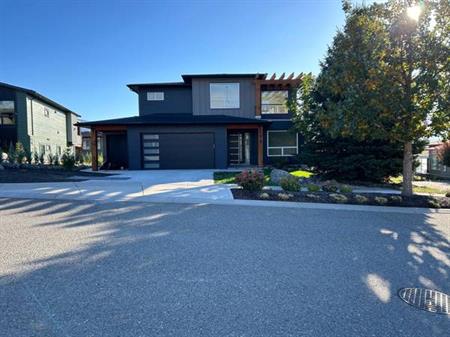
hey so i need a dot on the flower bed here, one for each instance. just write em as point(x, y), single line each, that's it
point(376, 199)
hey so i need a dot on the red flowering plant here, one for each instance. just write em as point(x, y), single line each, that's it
point(251, 180)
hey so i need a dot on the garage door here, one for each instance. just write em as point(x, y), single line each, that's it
point(178, 150)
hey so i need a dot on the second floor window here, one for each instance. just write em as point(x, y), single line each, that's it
point(224, 95)
point(7, 113)
point(155, 96)
point(274, 102)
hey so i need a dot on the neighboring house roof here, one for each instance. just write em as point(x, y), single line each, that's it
point(39, 96)
point(175, 119)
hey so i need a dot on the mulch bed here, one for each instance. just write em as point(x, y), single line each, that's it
point(324, 197)
point(43, 175)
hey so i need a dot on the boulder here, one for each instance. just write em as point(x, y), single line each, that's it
point(276, 175)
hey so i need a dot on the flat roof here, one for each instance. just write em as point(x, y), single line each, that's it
point(38, 96)
point(135, 86)
point(174, 119)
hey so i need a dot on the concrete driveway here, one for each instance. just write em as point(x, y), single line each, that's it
point(161, 185)
point(81, 268)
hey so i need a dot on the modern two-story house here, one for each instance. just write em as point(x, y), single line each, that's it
point(205, 121)
point(39, 123)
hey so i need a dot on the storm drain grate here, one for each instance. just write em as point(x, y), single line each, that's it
point(426, 299)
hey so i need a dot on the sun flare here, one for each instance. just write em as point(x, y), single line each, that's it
point(414, 12)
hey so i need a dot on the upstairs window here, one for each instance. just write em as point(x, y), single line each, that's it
point(224, 95)
point(155, 96)
point(274, 102)
point(7, 113)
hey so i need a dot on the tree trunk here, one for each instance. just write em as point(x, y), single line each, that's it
point(407, 188)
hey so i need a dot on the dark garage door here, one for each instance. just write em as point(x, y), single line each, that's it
point(179, 150)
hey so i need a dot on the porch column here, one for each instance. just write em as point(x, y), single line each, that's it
point(94, 152)
point(260, 146)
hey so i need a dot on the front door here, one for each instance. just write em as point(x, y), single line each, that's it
point(239, 148)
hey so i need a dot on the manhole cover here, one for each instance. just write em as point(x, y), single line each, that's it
point(426, 299)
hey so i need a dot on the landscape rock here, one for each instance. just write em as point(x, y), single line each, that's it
point(276, 175)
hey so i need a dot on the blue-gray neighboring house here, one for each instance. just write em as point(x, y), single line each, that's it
point(205, 121)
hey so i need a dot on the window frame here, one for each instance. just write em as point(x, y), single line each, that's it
point(238, 101)
point(275, 113)
point(268, 147)
point(157, 96)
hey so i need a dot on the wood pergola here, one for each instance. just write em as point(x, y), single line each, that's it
point(274, 83)
point(95, 129)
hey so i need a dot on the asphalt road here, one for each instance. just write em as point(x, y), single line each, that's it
point(74, 268)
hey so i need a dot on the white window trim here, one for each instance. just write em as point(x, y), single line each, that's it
point(223, 107)
point(281, 147)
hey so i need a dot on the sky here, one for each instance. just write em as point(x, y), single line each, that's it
point(83, 53)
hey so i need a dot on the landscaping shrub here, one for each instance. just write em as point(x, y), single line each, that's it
point(284, 196)
point(330, 186)
point(35, 157)
point(313, 188)
point(290, 184)
point(50, 159)
point(381, 200)
point(339, 198)
point(264, 196)
point(434, 203)
point(68, 160)
point(447, 194)
point(56, 160)
point(42, 158)
point(444, 154)
point(361, 199)
point(345, 189)
point(396, 198)
point(251, 180)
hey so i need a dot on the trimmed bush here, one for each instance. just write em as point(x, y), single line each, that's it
point(447, 194)
point(264, 196)
point(284, 196)
point(345, 189)
point(361, 199)
point(313, 188)
point(381, 200)
point(290, 184)
point(250, 180)
point(330, 186)
point(396, 198)
point(68, 160)
point(339, 198)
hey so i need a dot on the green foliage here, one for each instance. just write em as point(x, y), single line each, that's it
point(12, 153)
point(396, 199)
point(345, 189)
point(284, 196)
point(56, 160)
point(35, 157)
point(384, 79)
point(302, 173)
point(42, 158)
point(447, 194)
point(313, 188)
point(330, 186)
point(444, 154)
point(68, 159)
point(290, 184)
point(19, 153)
point(50, 158)
point(251, 180)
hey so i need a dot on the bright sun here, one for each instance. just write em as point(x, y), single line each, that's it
point(414, 12)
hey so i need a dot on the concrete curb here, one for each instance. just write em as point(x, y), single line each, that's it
point(251, 203)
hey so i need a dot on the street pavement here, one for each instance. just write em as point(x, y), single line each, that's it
point(88, 268)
